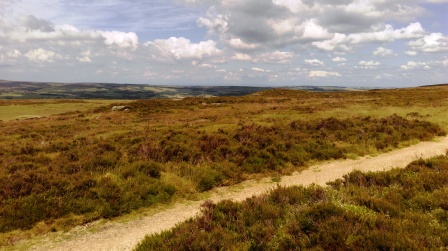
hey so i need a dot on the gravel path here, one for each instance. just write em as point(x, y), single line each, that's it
point(123, 235)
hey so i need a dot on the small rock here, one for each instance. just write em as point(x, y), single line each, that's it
point(118, 108)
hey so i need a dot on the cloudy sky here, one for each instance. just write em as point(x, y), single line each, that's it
point(375, 43)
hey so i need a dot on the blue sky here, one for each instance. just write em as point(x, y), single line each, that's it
point(374, 43)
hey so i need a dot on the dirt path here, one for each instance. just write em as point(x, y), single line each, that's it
point(126, 234)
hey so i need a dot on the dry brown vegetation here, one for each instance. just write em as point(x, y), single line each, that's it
point(76, 167)
point(402, 209)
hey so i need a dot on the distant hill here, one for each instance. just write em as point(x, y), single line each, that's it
point(434, 85)
point(53, 90)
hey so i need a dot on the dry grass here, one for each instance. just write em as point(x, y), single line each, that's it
point(30, 109)
point(93, 144)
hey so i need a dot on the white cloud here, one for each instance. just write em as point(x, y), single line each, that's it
point(60, 33)
point(434, 42)
point(335, 43)
point(307, 30)
point(120, 39)
point(42, 56)
point(383, 52)
point(323, 74)
point(293, 5)
point(314, 62)
point(258, 69)
point(216, 23)
point(314, 31)
point(338, 59)
point(411, 65)
point(84, 59)
point(39, 30)
point(280, 57)
point(369, 63)
point(270, 35)
point(206, 66)
point(238, 44)
point(241, 57)
point(14, 53)
point(182, 49)
point(388, 34)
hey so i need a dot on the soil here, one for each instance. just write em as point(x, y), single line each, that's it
point(126, 234)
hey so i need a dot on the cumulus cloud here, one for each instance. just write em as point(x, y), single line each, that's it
point(34, 29)
point(307, 30)
point(60, 33)
point(42, 56)
point(410, 65)
point(383, 52)
point(336, 43)
point(14, 53)
point(216, 23)
point(238, 44)
point(434, 42)
point(312, 30)
point(265, 38)
point(30, 22)
point(179, 49)
point(242, 57)
point(338, 59)
point(294, 6)
point(323, 74)
point(120, 39)
point(280, 57)
point(314, 62)
point(84, 59)
point(389, 34)
point(249, 24)
point(344, 42)
point(369, 64)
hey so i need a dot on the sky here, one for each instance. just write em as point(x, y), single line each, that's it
point(355, 43)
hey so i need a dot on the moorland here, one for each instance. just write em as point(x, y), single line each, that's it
point(68, 169)
point(401, 209)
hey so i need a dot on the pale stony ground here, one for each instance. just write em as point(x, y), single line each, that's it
point(125, 234)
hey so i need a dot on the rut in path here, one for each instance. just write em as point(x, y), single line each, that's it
point(125, 236)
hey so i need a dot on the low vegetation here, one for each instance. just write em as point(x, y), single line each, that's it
point(402, 209)
point(34, 109)
point(79, 166)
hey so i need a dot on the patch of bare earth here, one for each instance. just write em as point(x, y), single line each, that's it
point(125, 235)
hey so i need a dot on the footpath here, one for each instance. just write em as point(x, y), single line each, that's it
point(125, 234)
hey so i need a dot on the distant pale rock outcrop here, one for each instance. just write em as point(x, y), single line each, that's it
point(118, 108)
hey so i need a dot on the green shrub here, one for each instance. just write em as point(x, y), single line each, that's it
point(150, 169)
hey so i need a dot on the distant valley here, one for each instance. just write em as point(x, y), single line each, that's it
point(53, 90)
